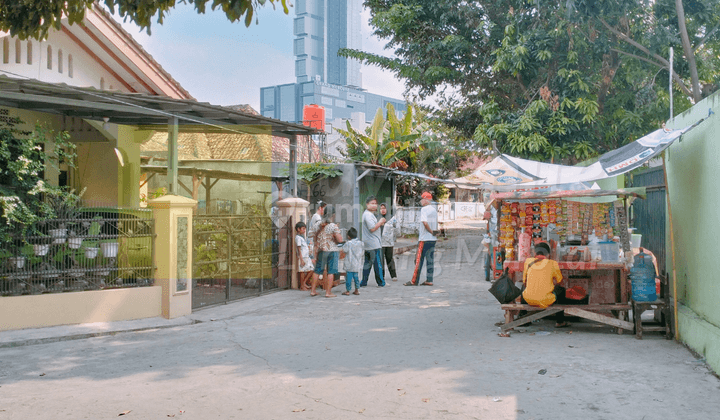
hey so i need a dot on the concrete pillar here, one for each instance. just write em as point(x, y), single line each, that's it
point(173, 252)
point(296, 210)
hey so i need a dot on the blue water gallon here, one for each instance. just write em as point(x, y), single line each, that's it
point(642, 276)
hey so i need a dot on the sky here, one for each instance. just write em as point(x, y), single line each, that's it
point(226, 63)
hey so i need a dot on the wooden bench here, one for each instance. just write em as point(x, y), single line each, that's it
point(583, 311)
point(663, 312)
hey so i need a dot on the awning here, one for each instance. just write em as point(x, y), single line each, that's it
point(508, 172)
point(148, 112)
point(539, 195)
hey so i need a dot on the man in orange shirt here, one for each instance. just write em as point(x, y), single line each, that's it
point(542, 278)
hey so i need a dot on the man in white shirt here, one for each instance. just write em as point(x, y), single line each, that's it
point(426, 241)
point(314, 224)
point(371, 243)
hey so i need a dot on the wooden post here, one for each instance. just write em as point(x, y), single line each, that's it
point(672, 248)
point(195, 189)
point(172, 163)
point(207, 194)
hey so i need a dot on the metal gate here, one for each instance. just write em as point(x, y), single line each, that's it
point(648, 216)
point(236, 256)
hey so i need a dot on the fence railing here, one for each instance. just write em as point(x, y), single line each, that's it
point(409, 217)
point(100, 248)
point(236, 256)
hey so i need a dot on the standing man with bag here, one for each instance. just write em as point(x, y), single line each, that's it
point(426, 241)
point(314, 223)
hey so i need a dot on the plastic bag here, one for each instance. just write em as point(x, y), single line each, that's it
point(504, 289)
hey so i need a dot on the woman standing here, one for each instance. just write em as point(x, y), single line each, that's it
point(387, 240)
point(326, 251)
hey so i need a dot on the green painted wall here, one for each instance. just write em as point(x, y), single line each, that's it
point(693, 171)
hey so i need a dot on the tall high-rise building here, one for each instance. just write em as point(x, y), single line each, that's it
point(321, 29)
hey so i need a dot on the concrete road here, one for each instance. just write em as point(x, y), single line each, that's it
point(394, 352)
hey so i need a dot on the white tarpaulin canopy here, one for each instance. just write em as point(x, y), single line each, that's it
point(507, 172)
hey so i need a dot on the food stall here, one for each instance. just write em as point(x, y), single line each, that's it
point(588, 236)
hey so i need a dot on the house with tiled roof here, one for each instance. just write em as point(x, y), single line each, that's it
point(96, 53)
point(242, 154)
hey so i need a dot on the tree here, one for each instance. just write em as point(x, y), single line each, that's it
point(22, 187)
point(413, 143)
point(388, 141)
point(649, 28)
point(543, 79)
point(34, 18)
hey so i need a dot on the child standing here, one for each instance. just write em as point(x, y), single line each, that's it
point(353, 250)
point(305, 264)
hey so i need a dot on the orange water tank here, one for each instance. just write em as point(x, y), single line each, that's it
point(314, 116)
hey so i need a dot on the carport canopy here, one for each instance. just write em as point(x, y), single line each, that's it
point(147, 112)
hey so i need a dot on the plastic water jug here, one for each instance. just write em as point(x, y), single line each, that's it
point(642, 276)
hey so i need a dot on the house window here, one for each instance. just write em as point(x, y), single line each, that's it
point(6, 51)
point(102, 83)
point(60, 61)
point(70, 66)
point(49, 57)
point(29, 52)
point(18, 52)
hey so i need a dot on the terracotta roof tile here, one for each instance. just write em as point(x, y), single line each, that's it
point(232, 146)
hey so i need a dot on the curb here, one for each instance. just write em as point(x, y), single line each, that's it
point(48, 340)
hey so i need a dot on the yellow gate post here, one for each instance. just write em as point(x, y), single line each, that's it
point(296, 210)
point(173, 252)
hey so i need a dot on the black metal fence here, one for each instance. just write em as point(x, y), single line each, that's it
point(100, 248)
point(238, 256)
point(649, 215)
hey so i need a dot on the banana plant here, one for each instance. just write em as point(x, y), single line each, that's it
point(389, 141)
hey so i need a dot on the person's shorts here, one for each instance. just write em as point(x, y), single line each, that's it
point(327, 259)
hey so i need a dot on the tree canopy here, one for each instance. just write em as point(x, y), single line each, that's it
point(34, 18)
point(550, 80)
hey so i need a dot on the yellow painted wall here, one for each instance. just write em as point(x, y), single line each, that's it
point(97, 170)
point(18, 312)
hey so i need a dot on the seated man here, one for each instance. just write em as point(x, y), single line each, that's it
point(542, 278)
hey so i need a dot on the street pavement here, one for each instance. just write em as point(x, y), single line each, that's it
point(394, 352)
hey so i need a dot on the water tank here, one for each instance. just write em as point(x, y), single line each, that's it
point(314, 116)
point(642, 276)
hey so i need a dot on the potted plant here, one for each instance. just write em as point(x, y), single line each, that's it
point(16, 258)
point(74, 241)
point(91, 246)
point(109, 249)
point(66, 208)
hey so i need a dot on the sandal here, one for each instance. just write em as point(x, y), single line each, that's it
point(330, 296)
point(425, 284)
point(346, 293)
point(313, 294)
point(563, 325)
point(356, 292)
point(410, 284)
